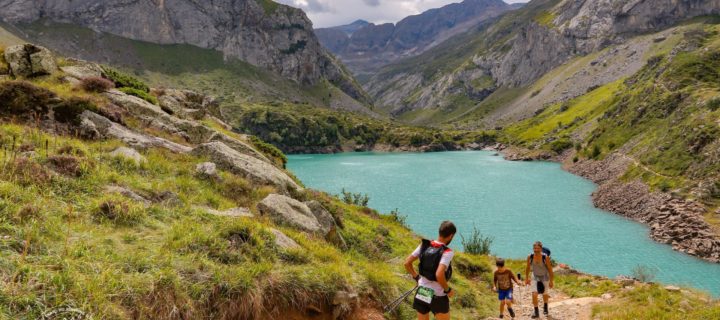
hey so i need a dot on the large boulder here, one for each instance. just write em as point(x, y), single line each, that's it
point(82, 70)
point(247, 166)
point(287, 211)
point(29, 60)
point(326, 220)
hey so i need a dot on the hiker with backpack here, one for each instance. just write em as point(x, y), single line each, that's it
point(434, 292)
point(542, 277)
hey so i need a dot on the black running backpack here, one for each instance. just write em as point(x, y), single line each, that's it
point(430, 260)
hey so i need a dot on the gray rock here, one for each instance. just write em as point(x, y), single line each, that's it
point(83, 70)
point(129, 154)
point(168, 198)
point(247, 166)
point(606, 296)
point(625, 281)
point(343, 301)
point(207, 170)
point(324, 217)
point(283, 241)
point(95, 125)
point(127, 193)
point(233, 213)
point(672, 288)
point(288, 211)
point(29, 60)
point(184, 103)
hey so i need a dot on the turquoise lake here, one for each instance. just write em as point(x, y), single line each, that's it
point(517, 203)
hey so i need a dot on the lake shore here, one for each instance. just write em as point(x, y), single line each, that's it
point(673, 220)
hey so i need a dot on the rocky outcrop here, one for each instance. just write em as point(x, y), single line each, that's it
point(369, 46)
point(582, 27)
point(95, 126)
point(288, 211)
point(676, 222)
point(185, 103)
point(524, 46)
point(283, 241)
point(207, 170)
point(263, 33)
point(232, 213)
point(29, 60)
point(128, 154)
point(246, 166)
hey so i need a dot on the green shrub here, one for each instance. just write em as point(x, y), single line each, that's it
point(644, 273)
point(713, 104)
point(399, 218)
point(269, 6)
point(123, 80)
point(269, 150)
point(560, 145)
point(69, 110)
point(357, 199)
point(477, 243)
point(295, 47)
point(140, 94)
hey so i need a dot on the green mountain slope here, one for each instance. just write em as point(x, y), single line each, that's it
point(89, 231)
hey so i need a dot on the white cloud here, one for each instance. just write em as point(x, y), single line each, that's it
point(329, 13)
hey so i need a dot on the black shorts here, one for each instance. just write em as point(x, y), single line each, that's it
point(438, 305)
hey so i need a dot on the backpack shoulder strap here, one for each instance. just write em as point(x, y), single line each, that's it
point(424, 244)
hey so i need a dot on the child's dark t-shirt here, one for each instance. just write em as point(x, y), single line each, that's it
point(503, 279)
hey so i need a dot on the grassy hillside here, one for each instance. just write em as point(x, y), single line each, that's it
point(71, 248)
point(665, 117)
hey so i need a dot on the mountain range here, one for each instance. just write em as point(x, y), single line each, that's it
point(370, 46)
point(144, 175)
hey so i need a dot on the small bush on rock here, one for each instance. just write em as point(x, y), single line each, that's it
point(140, 94)
point(69, 110)
point(122, 80)
point(96, 84)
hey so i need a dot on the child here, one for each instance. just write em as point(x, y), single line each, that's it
point(503, 283)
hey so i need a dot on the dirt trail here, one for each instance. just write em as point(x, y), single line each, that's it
point(561, 306)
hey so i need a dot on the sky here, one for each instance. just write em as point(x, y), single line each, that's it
point(330, 13)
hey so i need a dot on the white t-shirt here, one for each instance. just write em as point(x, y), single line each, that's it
point(445, 260)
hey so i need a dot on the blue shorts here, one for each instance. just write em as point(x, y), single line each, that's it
point(505, 294)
